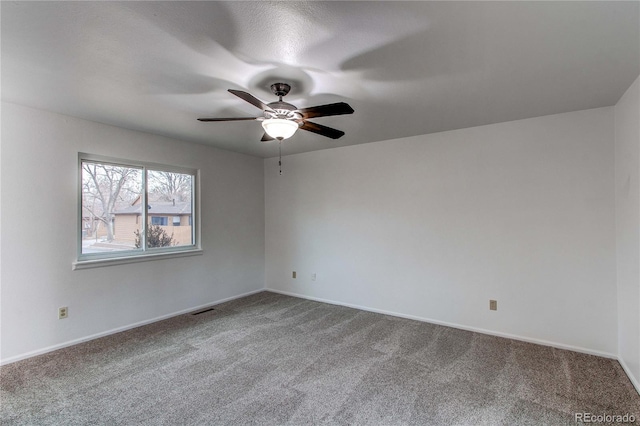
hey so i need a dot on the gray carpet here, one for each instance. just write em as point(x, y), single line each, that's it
point(269, 359)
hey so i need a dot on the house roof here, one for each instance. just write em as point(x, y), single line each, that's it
point(94, 208)
point(407, 68)
point(160, 208)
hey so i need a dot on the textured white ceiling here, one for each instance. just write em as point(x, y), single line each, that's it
point(407, 68)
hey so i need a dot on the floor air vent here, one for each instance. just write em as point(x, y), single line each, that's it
point(203, 311)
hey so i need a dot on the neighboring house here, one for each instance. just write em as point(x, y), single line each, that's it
point(93, 225)
point(173, 216)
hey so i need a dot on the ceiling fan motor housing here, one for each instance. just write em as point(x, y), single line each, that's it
point(283, 110)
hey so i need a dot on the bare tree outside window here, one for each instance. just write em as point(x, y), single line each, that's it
point(168, 186)
point(105, 188)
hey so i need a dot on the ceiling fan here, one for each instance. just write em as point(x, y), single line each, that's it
point(281, 119)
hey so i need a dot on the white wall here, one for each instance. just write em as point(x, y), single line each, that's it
point(434, 226)
point(627, 168)
point(39, 224)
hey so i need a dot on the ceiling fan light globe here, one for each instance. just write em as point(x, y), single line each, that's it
point(279, 128)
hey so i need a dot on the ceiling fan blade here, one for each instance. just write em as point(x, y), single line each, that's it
point(228, 119)
point(339, 108)
point(322, 130)
point(266, 137)
point(251, 99)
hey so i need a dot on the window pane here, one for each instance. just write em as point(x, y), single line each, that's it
point(159, 220)
point(110, 205)
point(170, 198)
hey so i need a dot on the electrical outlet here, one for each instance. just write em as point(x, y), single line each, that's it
point(493, 305)
point(293, 275)
point(313, 276)
point(63, 312)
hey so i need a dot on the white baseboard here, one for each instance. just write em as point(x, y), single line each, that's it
point(634, 381)
point(448, 324)
point(119, 329)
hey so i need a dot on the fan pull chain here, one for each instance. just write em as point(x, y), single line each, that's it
point(280, 156)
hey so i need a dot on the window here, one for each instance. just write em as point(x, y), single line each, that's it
point(159, 220)
point(112, 218)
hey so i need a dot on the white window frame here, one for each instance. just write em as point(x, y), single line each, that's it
point(94, 260)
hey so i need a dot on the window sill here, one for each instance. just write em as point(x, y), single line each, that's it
point(99, 263)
